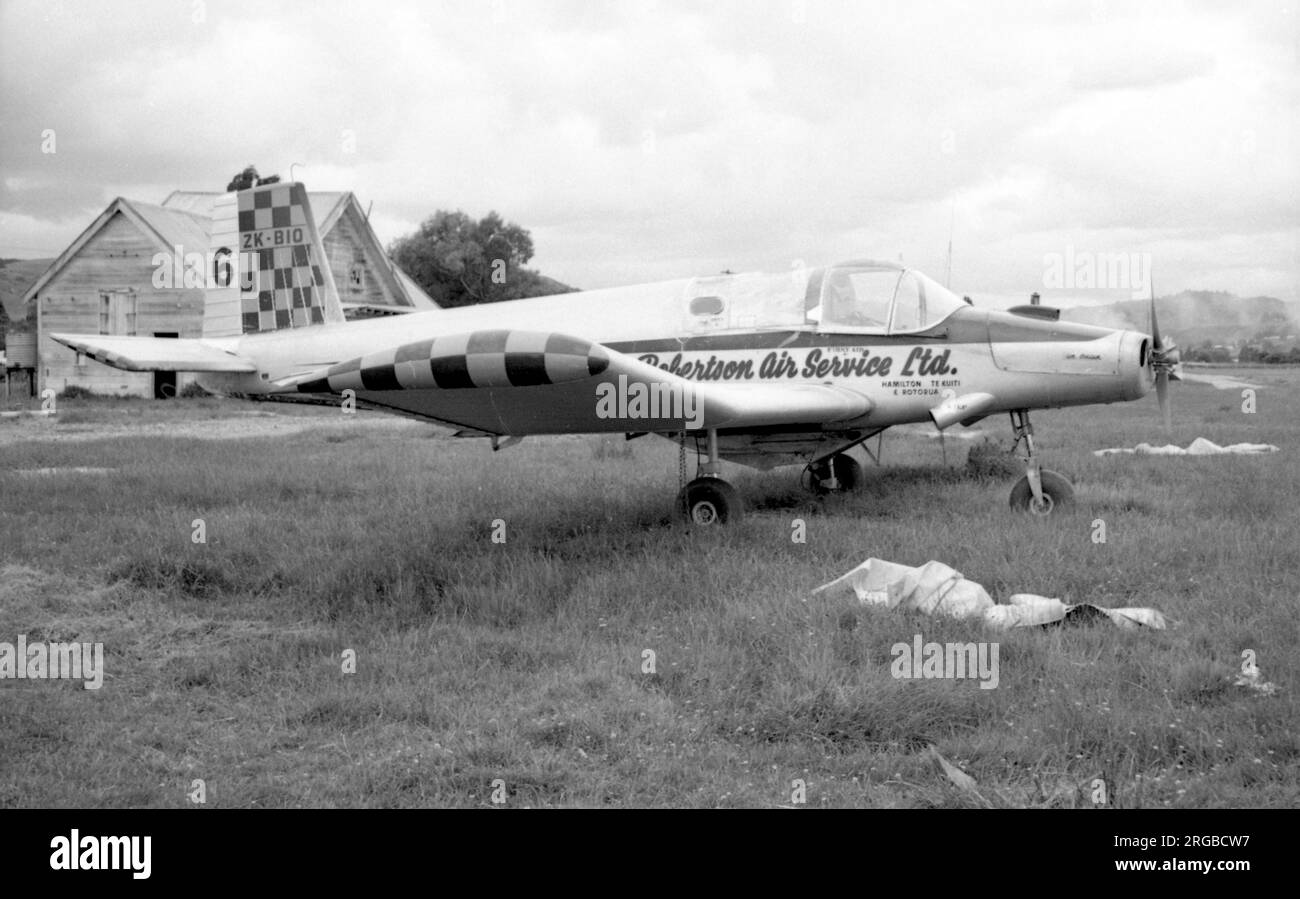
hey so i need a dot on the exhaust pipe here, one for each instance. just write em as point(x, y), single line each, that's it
point(961, 408)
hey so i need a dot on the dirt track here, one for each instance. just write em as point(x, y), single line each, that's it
point(238, 426)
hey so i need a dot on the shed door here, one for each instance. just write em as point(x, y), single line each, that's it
point(164, 382)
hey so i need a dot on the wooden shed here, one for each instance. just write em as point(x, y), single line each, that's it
point(107, 282)
point(104, 284)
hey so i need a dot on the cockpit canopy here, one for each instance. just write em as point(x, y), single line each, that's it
point(878, 298)
point(848, 298)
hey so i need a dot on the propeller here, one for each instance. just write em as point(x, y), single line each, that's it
point(1165, 359)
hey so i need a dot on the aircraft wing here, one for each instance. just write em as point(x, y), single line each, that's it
point(525, 382)
point(761, 404)
point(154, 353)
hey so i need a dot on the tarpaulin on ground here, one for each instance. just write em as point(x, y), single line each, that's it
point(936, 589)
point(1198, 447)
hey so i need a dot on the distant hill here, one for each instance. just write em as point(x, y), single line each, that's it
point(16, 276)
point(548, 286)
point(1195, 316)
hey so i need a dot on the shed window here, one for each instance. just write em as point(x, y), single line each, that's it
point(357, 276)
point(118, 311)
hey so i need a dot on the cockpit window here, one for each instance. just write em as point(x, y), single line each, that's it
point(859, 299)
point(909, 305)
point(936, 303)
point(879, 299)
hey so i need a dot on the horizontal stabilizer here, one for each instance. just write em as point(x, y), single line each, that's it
point(154, 353)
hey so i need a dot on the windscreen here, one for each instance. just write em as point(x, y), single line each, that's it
point(881, 299)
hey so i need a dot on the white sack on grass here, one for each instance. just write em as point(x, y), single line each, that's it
point(1198, 447)
point(936, 589)
point(932, 588)
point(1024, 609)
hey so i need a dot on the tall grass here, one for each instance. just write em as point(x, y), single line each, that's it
point(527, 661)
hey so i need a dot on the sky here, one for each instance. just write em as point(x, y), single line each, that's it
point(641, 140)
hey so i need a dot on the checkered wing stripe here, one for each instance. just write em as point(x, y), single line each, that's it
point(480, 359)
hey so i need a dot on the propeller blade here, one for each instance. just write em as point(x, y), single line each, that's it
point(1155, 326)
point(1163, 358)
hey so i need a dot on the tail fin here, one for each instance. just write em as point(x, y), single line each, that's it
point(272, 272)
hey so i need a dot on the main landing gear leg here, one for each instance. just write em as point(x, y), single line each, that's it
point(709, 500)
point(1040, 492)
point(839, 473)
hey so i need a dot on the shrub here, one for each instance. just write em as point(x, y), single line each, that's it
point(989, 460)
point(192, 390)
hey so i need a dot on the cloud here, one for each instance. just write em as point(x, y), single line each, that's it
point(650, 140)
point(1112, 69)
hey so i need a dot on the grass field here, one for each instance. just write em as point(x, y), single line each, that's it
point(518, 668)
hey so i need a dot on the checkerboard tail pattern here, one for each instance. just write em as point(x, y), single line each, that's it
point(278, 241)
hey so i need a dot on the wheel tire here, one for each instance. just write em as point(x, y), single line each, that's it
point(1058, 495)
point(710, 502)
point(847, 472)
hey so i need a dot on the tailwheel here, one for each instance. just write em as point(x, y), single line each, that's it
point(710, 501)
point(1057, 494)
point(840, 473)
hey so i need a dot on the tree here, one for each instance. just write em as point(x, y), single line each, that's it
point(459, 261)
point(249, 178)
point(1207, 352)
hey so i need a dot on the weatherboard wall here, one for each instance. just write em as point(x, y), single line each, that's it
point(118, 258)
point(346, 249)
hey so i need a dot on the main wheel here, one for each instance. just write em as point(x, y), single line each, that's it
point(847, 471)
point(711, 501)
point(1058, 495)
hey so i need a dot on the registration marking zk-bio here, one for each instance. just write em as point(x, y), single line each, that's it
point(273, 237)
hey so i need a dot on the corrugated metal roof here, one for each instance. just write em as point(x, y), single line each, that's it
point(169, 227)
point(176, 227)
point(414, 292)
point(325, 204)
point(197, 201)
point(327, 207)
